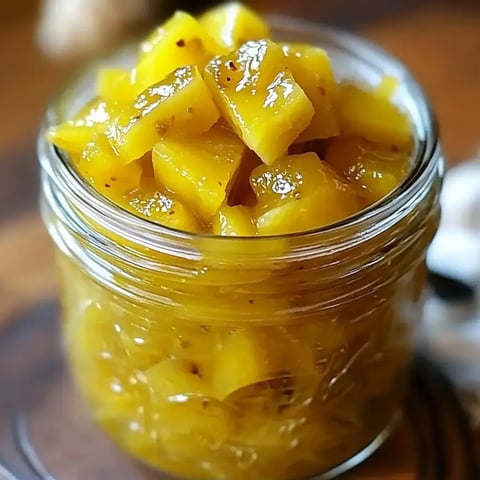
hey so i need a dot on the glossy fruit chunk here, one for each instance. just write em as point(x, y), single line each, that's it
point(199, 170)
point(115, 85)
point(233, 24)
point(258, 98)
point(161, 207)
point(376, 169)
point(234, 222)
point(99, 164)
point(300, 192)
point(178, 42)
point(372, 116)
point(311, 68)
point(179, 105)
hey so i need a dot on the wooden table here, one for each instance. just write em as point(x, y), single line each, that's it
point(439, 41)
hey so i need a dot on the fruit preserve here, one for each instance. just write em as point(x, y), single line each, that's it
point(242, 275)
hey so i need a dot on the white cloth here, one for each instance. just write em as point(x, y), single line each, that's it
point(451, 332)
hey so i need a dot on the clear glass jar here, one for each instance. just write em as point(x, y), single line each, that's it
point(212, 358)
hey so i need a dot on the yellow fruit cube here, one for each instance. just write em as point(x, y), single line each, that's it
point(249, 360)
point(99, 164)
point(312, 70)
point(96, 112)
point(234, 221)
point(115, 85)
point(199, 170)
point(73, 135)
point(376, 169)
point(178, 42)
point(181, 105)
point(161, 207)
point(233, 24)
point(174, 378)
point(372, 116)
point(259, 99)
point(70, 137)
point(299, 193)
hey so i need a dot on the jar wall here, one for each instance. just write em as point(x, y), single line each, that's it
point(280, 376)
point(246, 360)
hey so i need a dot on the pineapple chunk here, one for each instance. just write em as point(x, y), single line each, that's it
point(311, 68)
point(174, 377)
point(376, 169)
point(300, 192)
point(234, 222)
point(372, 115)
point(70, 137)
point(260, 100)
point(178, 42)
point(248, 358)
point(160, 207)
point(114, 85)
point(233, 24)
point(96, 112)
point(99, 164)
point(73, 135)
point(181, 104)
point(199, 170)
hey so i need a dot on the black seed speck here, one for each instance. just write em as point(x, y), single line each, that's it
point(251, 301)
point(181, 43)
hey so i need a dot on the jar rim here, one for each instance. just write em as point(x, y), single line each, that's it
point(380, 215)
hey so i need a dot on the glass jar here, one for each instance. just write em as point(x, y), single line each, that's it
point(262, 358)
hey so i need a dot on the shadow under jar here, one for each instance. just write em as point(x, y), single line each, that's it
point(262, 358)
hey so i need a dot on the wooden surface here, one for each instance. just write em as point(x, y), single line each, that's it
point(438, 40)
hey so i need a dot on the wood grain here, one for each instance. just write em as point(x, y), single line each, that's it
point(438, 40)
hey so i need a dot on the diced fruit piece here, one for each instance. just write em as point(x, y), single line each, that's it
point(160, 207)
point(174, 377)
point(371, 115)
point(199, 170)
point(300, 192)
point(259, 99)
point(115, 85)
point(246, 358)
point(376, 169)
point(96, 112)
point(178, 42)
point(181, 105)
point(233, 24)
point(99, 164)
point(234, 222)
point(71, 137)
point(311, 68)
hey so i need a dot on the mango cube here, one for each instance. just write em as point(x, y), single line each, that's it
point(234, 222)
point(373, 116)
point(312, 70)
point(375, 169)
point(233, 24)
point(300, 192)
point(258, 98)
point(178, 42)
point(161, 207)
point(181, 105)
point(115, 85)
point(199, 170)
point(99, 164)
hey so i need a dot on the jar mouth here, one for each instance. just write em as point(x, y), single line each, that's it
point(425, 159)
